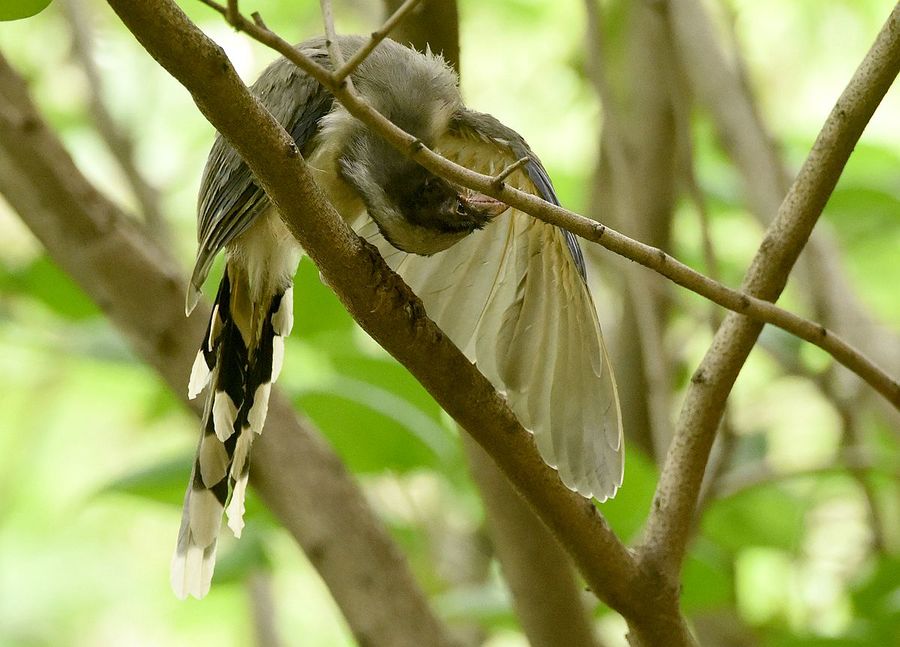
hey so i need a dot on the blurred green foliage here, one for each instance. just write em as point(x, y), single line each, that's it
point(18, 9)
point(95, 453)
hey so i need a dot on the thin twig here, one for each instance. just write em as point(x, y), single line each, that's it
point(656, 259)
point(232, 11)
point(377, 36)
point(332, 45)
point(509, 170)
point(760, 474)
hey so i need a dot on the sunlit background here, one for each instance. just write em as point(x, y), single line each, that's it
point(95, 452)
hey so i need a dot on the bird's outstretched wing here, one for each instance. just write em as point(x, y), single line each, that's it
point(513, 298)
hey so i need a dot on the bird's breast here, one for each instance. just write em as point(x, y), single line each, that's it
point(344, 198)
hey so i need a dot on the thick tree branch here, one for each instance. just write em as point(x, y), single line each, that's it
point(539, 573)
point(141, 290)
point(656, 259)
point(391, 313)
point(669, 524)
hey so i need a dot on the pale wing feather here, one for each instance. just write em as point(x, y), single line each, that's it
point(513, 299)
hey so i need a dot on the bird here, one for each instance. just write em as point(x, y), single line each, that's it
point(509, 290)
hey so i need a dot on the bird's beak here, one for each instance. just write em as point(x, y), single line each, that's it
point(480, 204)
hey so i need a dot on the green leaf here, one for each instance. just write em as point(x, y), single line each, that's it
point(373, 429)
point(708, 580)
point(18, 9)
point(246, 556)
point(488, 604)
point(162, 482)
point(877, 601)
point(316, 309)
point(165, 482)
point(626, 512)
point(388, 374)
point(44, 281)
point(763, 516)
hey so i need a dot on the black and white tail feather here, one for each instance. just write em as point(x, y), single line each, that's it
point(240, 358)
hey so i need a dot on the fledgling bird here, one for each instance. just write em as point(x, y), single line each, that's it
point(509, 290)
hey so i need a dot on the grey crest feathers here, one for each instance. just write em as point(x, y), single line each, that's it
point(508, 290)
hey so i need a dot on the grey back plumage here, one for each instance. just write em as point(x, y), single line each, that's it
point(230, 199)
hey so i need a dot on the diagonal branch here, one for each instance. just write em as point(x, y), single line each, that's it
point(737, 301)
point(668, 527)
point(385, 307)
point(141, 289)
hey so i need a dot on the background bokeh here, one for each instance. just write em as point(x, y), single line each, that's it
point(794, 549)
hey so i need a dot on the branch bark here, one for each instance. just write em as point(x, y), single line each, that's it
point(545, 592)
point(668, 528)
point(391, 313)
point(141, 290)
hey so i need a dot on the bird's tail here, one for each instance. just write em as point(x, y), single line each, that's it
point(240, 357)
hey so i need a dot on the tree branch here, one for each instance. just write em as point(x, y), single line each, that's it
point(722, 89)
point(141, 290)
point(539, 573)
point(393, 315)
point(668, 529)
point(117, 142)
point(655, 259)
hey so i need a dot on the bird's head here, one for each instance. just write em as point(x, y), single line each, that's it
point(415, 210)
